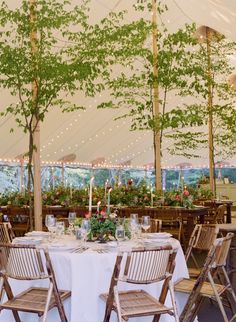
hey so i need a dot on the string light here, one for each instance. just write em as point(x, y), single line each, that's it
point(118, 166)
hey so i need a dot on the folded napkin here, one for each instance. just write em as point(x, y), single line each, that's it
point(28, 240)
point(39, 233)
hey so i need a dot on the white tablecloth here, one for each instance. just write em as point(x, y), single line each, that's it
point(87, 275)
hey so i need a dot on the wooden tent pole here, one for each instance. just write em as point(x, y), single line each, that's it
point(156, 109)
point(36, 127)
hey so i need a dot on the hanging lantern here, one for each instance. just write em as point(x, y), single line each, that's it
point(203, 31)
point(68, 158)
point(232, 81)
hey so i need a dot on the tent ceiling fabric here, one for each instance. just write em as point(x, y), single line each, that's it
point(92, 133)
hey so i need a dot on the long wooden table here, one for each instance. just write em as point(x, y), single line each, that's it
point(18, 216)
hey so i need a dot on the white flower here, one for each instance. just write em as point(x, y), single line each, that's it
point(113, 215)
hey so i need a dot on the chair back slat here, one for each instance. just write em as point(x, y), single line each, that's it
point(220, 213)
point(194, 295)
point(23, 262)
point(148, 265)
point(205, 236)
point(6, 233)
point(223, 251)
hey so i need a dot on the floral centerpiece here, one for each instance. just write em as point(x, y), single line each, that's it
point(102, 226)
point(179, 198)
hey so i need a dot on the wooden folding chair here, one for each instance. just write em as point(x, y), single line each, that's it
point(201, 240)
point(155, 225)
point(24, 262)
point(173, 226)
point(141, 266)
point(216, 215)
point(6, 232)
point(205, 286)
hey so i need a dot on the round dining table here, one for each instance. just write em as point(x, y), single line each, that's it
point(86, 271)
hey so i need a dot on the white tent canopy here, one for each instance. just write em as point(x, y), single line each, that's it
point(92, 133)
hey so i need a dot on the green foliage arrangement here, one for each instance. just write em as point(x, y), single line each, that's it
point(120, 196)
point(102, 226)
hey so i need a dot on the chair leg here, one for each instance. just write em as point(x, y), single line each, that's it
point(195, 311)
point(218, 299)
point(1, 289)
point(232, 298)
point(47, 303)
point(10, 296)
point(171, 288)
point(116, 298)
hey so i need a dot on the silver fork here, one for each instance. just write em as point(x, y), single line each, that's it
point(101, 251)
point(79, 249)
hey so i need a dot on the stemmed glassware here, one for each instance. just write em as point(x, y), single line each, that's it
point(134, 225)
point(71, 220)
point(134, 219)
point(50, 223)
point(146, 223)
point(85, 226)
point(60, 228)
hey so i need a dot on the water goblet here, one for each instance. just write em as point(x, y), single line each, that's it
point(134, 219)
point(85, 225)
point(80, 234)
point(60, 228)
point(50, 223)
point(71, 217)
point(146, 223)
point(133, 225)
point(71, 220)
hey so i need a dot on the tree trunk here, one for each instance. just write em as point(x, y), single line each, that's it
point(156, 109)
point(37, 179)
point(30, 180)
point(210, 116)
point(35, 124)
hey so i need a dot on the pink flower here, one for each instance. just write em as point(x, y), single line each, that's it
point(178, 197)
point(88, 215)
point(186, 193)
point(130, 182)
point(103, 213)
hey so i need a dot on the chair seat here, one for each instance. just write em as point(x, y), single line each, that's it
point(138, 303)
point(194, 272)
point(186, 285)
point(33, 300)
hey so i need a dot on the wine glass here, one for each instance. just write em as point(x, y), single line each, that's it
point(71, 220)
point(134, 219)
point(80, 234)
point(60, 228)
point(85, 224)
point(133, 225)
point(146, 223)
point(50, 223)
